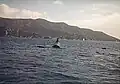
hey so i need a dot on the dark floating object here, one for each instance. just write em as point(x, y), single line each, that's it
point(101, 53)
point(55, 46)
point(104, 48)
point(41, 46)
point(97, 52)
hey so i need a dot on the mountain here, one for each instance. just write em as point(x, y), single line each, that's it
point(41, 27)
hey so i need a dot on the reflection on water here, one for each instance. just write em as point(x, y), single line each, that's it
point(77, 62)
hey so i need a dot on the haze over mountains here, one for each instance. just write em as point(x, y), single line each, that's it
point(41, 27)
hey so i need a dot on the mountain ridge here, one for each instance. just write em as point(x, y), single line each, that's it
point(41, 27)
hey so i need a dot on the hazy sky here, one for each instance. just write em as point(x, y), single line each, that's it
point(103, 15)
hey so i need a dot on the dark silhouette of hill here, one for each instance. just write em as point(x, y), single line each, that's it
point(41, 27)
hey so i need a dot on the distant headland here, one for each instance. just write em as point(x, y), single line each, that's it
point(41, 28)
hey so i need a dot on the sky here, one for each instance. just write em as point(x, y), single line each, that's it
point(98, 15)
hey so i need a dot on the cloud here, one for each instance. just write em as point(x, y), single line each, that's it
point(58, 2)
point(101, 17)
point(108, 24)
point(108, 19)
point(8, 12)
point(111, 25)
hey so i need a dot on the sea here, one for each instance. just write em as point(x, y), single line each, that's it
point(76, 62)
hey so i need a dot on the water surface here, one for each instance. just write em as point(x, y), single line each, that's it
point(21, 62)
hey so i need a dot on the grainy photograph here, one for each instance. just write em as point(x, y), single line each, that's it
point(59, 41)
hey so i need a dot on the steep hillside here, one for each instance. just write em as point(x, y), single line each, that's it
point(41, 27)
